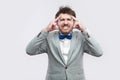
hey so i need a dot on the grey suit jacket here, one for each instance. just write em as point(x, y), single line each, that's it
point(48, 43)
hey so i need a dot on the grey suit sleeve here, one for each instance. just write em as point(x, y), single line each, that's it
point(38, 45)
point(91, 46)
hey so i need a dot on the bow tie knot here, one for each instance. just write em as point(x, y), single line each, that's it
point(61, 36)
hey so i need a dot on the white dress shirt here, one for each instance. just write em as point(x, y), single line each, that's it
point(65, 46)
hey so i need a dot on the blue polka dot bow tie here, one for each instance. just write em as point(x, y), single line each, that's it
point(61, 36)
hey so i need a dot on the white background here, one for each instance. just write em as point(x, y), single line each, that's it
point(21, 20)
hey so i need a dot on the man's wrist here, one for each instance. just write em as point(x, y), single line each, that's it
point(46, 30)
point(86, 32)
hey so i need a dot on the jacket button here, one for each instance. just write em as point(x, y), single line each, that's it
point(66, 67)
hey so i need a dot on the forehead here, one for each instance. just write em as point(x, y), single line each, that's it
point(65, 16)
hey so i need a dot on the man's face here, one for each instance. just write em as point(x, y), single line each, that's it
point(65, 23)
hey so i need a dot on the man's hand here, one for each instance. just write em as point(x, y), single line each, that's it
point(52, 25)
point(78, 25)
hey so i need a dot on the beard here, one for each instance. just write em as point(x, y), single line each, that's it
point(65, 33)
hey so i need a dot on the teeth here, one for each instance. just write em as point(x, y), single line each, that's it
point(65, 27)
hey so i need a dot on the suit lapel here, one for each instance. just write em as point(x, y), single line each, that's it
point(73, 46)
point(53, 42)
point(57, 43)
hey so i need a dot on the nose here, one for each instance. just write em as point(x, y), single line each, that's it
point(65, 22)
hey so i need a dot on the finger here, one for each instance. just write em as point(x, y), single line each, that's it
point(75, 26)
point(75, 23)
point(57, 18)
point(74, 18)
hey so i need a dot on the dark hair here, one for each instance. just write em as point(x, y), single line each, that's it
point(65, 10)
